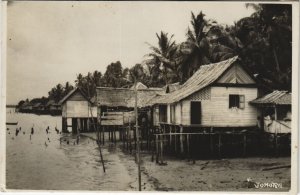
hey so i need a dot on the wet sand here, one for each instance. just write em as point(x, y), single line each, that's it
point(205, 175)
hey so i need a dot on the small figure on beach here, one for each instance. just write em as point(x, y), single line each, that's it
point(23, 132)
point(48, 139)
point(7, 129)
point(46, 144)
point(32, 131)
point(68, 142)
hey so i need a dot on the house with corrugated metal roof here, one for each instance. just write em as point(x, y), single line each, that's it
point(275, 111)
point(217, 95)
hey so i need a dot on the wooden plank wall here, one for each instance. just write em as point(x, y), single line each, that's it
point(78, 109)
point(216, 112)
point(112, 118)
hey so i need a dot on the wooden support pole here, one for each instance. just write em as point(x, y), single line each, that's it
point(211, 144)
point(181, 140)
point(219, 145)
point(109, 134)
point(103, 135)
point(171, 131)
point(115, 134)
point(276, 145)
point(175, 141)
point(188, 146)
point(161, 149)
point(245, 145)
point(157, 149)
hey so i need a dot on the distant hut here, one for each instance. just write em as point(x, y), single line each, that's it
point(26, 107)
point(53, 108)
point(78, 112)
point(37, 107)
point(275, 111)
point(217, 95)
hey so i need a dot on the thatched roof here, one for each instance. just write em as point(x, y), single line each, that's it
point(275, 98)
point(124, 97)
point(206, 75)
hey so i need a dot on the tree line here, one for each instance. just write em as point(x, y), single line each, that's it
point(263, 42)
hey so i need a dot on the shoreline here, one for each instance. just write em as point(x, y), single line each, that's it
point(229, 174)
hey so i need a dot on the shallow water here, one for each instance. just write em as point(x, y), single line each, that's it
point(40, 164)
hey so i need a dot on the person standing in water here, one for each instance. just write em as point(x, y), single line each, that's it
point(17, 131)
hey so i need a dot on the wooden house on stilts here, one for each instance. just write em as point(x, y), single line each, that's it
point(217, 95)
point(78, 112)
point(210, 104)
point(275, 112)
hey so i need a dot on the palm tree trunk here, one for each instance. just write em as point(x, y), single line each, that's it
point(276, 60)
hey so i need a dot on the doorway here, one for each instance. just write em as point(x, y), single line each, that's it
point(196, 113)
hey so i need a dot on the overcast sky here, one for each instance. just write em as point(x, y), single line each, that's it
point(51, 42)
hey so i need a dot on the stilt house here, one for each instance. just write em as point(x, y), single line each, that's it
point(121, 101)
point(217, 95)
point(78, 112)
point(275, 111)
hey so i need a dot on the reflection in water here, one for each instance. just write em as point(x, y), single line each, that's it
point(40, 161)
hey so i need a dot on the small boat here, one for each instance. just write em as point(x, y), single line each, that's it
point(11, 123)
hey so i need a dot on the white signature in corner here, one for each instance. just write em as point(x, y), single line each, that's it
point(267, 185)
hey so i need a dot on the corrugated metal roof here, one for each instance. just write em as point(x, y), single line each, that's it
point(206, 75)
point(276, 97)
point(124, 97)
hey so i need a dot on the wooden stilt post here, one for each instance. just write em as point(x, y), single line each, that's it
point(130, 141)
point(276, 145)
point(181, 140)
point(211, 144)
point(175, 141)
point(161, 149)
point(245, 145)
point(219, 145)
point(157, 149)
point(109, 134)
point(103, 135)
point(115, 134)
point(188, 146)
point(170, 138)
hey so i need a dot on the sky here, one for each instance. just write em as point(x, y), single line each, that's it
point(52, 42)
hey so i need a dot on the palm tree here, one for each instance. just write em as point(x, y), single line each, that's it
point(223, 42)
point(195, 50)
point(162, 60)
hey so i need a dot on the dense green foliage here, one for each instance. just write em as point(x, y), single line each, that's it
point(263, 42)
